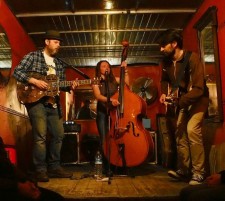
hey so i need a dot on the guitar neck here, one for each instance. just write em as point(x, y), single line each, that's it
point(69, 83)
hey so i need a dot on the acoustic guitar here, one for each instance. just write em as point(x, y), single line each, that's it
point(28, 93)
point(172, 103)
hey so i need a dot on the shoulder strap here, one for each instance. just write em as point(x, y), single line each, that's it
point(181, 72)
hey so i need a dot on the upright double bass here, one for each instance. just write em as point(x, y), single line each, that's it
point(127, 144)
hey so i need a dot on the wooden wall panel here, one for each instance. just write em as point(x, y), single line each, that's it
point(15, 126)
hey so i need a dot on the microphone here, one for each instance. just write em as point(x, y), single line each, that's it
point(106, 75)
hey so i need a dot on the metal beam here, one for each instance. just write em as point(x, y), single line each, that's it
point(105, 12)
point(156, 56)
point(106, 30)
point(91, 46)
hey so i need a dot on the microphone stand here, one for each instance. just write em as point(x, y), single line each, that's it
point(109, 124)
point(74, 68)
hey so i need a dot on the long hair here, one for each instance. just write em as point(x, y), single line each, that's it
point(98, 71)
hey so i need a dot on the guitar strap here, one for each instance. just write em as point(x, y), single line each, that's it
point(175, 85)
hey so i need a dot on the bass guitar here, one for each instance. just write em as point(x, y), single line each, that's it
point(28, 93)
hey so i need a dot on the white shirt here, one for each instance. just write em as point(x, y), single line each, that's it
point(50, 64)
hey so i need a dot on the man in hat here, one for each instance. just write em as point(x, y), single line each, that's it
point(45, 114)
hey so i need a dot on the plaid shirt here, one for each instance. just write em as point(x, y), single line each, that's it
point(35, 62)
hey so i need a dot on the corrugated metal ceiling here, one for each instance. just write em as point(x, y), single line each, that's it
point(91, 33)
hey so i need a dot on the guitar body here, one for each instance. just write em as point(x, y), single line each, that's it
point(28, 93)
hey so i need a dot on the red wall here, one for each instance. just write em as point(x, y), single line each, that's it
point(17, 39)
point(14, 130)
point(191, 42)
point(16, 35)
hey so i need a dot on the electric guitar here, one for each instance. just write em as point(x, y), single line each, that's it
point(28, 93)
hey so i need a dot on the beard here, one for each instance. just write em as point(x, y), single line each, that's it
point(53, 52)
point(170, 55)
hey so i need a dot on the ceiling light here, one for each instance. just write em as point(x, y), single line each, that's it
point(107, 4)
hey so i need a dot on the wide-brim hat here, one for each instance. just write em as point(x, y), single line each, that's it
point(52, 34)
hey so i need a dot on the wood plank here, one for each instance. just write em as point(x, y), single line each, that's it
point(150, 182)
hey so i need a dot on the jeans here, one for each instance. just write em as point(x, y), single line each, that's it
point(102, 125)
point(44, 118)
point(191, 156)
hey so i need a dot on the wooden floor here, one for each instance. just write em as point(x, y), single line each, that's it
point(147, 182)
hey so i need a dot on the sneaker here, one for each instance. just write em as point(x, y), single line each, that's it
point(41, 176)
point(59, 173)
point(179, 174)
point(196, 179)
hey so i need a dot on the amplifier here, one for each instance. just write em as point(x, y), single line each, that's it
point(70, 150)
point(71, 126)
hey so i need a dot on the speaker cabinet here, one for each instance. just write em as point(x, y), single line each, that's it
point(166, 142)
point(78, 149)
point(70, 152)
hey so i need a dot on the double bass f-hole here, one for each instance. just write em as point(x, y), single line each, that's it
point(131, 124)
point(120, 130)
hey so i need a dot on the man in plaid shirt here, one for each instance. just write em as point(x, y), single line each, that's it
point(45, 114)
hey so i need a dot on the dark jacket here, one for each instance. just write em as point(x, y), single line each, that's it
point(192, 84)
